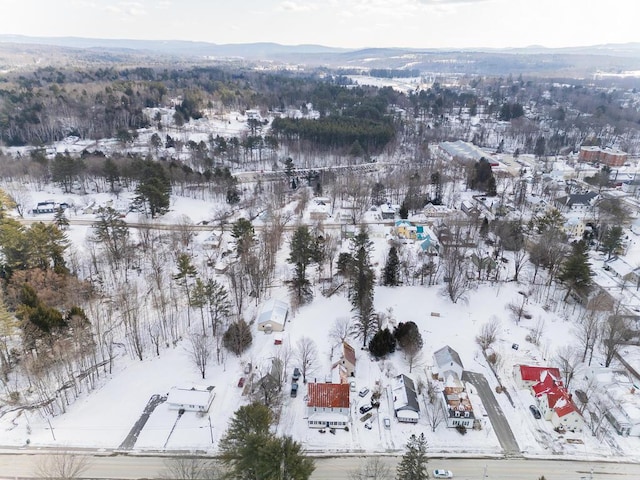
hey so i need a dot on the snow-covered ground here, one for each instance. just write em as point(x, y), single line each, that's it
point(103, 418)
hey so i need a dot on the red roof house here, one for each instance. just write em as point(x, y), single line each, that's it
point(553, 398)
point(328, 405)
point(527, 375)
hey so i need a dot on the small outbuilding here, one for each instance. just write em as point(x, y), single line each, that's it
point(273, 316)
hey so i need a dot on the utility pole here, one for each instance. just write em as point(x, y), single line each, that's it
point(210, 429)
point(484, 475)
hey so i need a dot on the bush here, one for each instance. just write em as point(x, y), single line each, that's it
point(238, 337)
point(462, 430)
point(382, 343)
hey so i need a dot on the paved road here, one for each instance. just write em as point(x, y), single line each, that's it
point(13, 466)
point(496, 415)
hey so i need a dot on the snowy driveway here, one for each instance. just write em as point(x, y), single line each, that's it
point(498, 420)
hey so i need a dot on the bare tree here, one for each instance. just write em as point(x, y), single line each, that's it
point(536, 332)
point(488, 334)
point(517, 308)
point(567, 359)
point(199, 350)
point(455, 273)
point(191, 468)
point(612, 334)
point(61, 465)
point(307, 354)
point(373, 468)
point(434, 413)
point(586, 332)
point(341, 330)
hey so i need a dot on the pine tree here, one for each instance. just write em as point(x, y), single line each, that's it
point(253, 452)
point(186, 270)
point(612, 240)
point(404, 211)
point(304, 251)
point(391, 270)
point(413, 465)
point(575, 272)
point(362, 280)
point(60, 219)
point(382, 343)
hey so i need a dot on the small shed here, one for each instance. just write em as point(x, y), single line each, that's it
point(195, 398)
point(273, 316)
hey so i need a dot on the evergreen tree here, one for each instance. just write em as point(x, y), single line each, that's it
point(361, 283)
point(186, 270)
point(391, 270)
point(60, 220)
point(112, 233)
point(243, 232)
point(238, 337)
point(382, 343)
point(153, 192)
point(408, 335)
point(612, 240)
point(253, 452)
point(413, 465)
point(575, 272)
point(404, 211)
point(304, 250)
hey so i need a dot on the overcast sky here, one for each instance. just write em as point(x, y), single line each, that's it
point(336, 23)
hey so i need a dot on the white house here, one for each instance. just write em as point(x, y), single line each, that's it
point(272, 316)
point(195, 398)
point(448, 360)
point(328, 405)
point(405, 400)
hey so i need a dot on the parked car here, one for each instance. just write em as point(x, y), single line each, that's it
point(365, 408)
point(442, 474)
point(368, 426)
point(247, 368)
point(294, 389)
point(296, 374)
point(363, 392)
point(241, 382)
point(352, 386)
point(535, 412)
point(387, 422)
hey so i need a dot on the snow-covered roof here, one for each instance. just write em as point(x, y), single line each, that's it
point(446, 358)
point(273, 311)
point(404, 394)
point(197, 395)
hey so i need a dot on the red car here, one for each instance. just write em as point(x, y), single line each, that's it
point(241, 382)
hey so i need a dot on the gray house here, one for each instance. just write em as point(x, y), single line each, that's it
point(405, 400)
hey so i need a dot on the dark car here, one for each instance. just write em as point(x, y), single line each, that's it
point(365, 408)
point(294, 389)
point(241, 382)
point(296, 374)
point(535, 412)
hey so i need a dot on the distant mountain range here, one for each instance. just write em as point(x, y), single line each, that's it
point(17, 50)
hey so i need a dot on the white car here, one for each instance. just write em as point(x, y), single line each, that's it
point(442, 474)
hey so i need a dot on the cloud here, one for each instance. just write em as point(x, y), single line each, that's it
point(292, 6)
point(441, 3)
point(126, 9)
